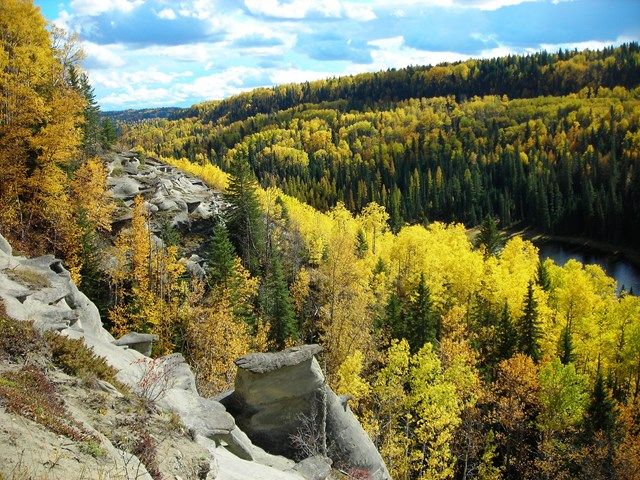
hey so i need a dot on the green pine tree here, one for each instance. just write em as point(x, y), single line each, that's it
point(108, 134)
point(243, 215)
point(361, 244)
point(600, 415)
point(542, 277)
point(565, 349)
point(395, 320)
point(220, 257)
point(421, 319)
point(91, 138)
point(489, 238)
point(529, 332)
point(507, 336)
point(277, 306)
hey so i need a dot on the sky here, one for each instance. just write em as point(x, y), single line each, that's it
point(153, 53)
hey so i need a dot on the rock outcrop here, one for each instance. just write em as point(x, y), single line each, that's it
point(283, 396)
point(171, 196)
point(277, 394)
point(41, 290)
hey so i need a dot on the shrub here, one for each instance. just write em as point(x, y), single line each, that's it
point(18, 338)
point(92, 448)
point(28, 276)
point(146, 449)
point(75, 358)
point(29, 393)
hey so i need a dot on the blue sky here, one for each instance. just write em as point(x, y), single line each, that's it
point(149, 53)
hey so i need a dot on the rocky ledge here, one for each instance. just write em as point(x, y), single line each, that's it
point(283, 403)
point(171, 197)
point(280, 403)
point(40, 290)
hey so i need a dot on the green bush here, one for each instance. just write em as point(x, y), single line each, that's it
point(18, 338)
point(75, 358)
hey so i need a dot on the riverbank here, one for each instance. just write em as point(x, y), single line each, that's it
point(625, 253)
point(585, 244)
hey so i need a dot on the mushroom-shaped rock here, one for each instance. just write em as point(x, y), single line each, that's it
point(141, 342)
point(282, 395)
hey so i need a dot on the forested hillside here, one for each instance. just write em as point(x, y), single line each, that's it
point(463, 360)
point(343, 202)
point(517, 76)
point(563, 164)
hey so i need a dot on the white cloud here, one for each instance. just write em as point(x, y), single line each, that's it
point(215, 86)
point(167, 14)
point(218, 85)
point(296, 75)
point(359, 12)
point(477, 4)
point(298, 9)
point(117, 79)
point(96, 7)
point(197, 52)
point(137, 96)
point(393, 53)
point(102, 56)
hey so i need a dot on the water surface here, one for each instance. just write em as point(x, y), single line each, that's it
point(625, 273)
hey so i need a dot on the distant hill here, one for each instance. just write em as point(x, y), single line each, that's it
point(550, 140)
point(516, 76)
point(133, 116)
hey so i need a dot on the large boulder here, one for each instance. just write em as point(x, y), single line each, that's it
point(282, 402)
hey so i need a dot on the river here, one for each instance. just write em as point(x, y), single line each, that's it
point(625, 273)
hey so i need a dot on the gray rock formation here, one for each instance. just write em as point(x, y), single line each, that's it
point(170, 195)
point(141, 342)
point(316, 467)
point(41, 290)
point(283, 396)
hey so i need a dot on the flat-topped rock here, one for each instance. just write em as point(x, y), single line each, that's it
point(268, 362)
point(142, 342)
point(282, 394)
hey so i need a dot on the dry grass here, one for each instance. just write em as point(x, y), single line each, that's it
point(28, 277)
point(29, 393)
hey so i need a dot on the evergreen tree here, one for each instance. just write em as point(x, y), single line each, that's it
point(92, 132)
point(220, 257)
point(529, 332)
point(244, 218)
point(361, 244)
point(277, 306)
point(507, 336)
point(108, 134)
point(565, 349)
point(421, 319)
point(600, 415)
point(601, 429)
point(395, 319)
point(542, 277)
point(489, 238)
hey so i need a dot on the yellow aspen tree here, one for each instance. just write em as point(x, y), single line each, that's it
point(140, 245)
point(437, 411)
point(39, 133)
point(215, 340)
point(350, 382)
point(390, 418)
point(346, 322)
point(374, 219)
point(90, 195)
